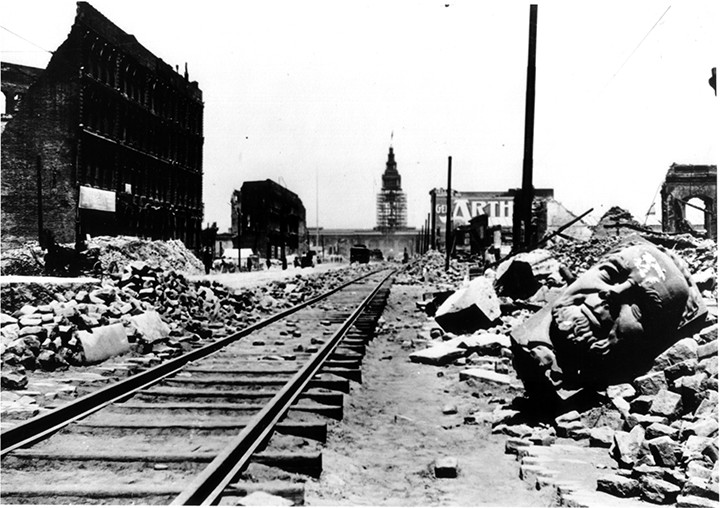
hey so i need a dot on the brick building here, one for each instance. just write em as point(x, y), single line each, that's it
point(107, 140)
point(16, 79)
point(269, 219)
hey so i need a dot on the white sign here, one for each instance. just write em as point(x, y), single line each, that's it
point(97, 199)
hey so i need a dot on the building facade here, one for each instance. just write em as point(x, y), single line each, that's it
point(269, 219)
point(499, 208)
point(684, 182)
point(108, 140)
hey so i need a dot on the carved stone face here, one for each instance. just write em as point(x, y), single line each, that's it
point(618, 315)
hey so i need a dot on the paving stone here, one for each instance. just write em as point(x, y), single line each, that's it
point(694, 502)
point(658, 491)
point(619, 486)
point(624, 391)
point(666, 403)
point(440, 354)
point(627, 446)
point(665, 451)
point(684, 349)
point(708, 350)
point(514, 444)
point(260, 498)
point(601, 437)
point(446, 467)
point(660, 429)
point(651, 383)
point(488, 375)
point(701, 488)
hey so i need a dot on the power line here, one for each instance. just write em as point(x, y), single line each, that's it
point(26, 40)
point(639, 44)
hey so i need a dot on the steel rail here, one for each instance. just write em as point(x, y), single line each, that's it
point(207, 487)
point(42, 426)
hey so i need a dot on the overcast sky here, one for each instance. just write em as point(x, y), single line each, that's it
point(307, 93)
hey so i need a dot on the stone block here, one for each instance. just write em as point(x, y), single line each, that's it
point(446, 467)
point(104, 342)
point(651, 383)
point(701, 488)
point(708, 350)
point(694, 447)
point(618, 486)
point(665, 451)
point(259, 498)
point(441, 354)
point(684, 349)
point(658, 491)
point(623, 391)
point(659, 430)
point(470, 308)
point(601, 437)
point(667, 404)
point(627, 447)
point(684, 368)
point(486, 375)
point(150, 326)
point(514, 444)
point(694, 502)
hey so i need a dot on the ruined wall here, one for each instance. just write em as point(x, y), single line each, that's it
point(41, 138)
point(683, 183)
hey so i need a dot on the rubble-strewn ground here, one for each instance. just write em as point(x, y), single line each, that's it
point(427, 395)
point(382, 452)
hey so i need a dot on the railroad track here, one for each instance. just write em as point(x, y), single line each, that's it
point(246, 413)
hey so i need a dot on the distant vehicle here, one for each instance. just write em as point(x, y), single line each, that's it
point(307, 259)
point(359, 254)
point(376, 255)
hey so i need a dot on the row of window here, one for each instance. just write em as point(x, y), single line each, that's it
point(119, 120)
point(128, 173)
point(157, 223)
point(104, 63)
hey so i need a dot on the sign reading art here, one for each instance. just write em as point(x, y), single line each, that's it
point(466, 205)
point(97, 199)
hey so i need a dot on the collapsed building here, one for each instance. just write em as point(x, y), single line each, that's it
point(107, 140)
point(683, 183)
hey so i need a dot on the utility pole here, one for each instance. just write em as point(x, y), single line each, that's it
point(448, 222)
point(38, 168)
point(433, 240)
point(527, 177)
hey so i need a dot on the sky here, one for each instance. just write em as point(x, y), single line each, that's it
point(311, 94)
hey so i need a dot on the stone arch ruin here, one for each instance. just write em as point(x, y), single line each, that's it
point(684, 182)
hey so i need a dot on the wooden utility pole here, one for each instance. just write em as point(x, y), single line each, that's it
point(527, 177)
point(433, 240)
point(448, 222)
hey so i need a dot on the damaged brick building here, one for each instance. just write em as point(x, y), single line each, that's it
point(269, 219)
point(108, 140)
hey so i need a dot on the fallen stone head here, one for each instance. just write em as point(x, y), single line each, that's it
point(609, 325)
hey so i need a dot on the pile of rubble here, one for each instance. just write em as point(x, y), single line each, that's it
point(116, 252)
point(144, 310)
point(661, 428)
point(26, 260)
point(430, 269)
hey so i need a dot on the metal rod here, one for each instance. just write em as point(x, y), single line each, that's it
point(527, 177)
point(448, 221)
